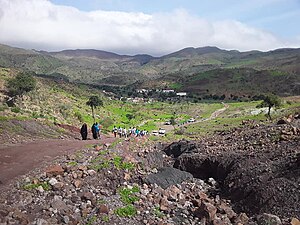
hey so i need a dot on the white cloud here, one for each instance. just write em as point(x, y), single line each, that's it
point(40, 24)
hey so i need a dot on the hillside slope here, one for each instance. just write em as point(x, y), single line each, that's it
point(99, 67)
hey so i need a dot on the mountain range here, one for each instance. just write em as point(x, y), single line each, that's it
point(205, 70)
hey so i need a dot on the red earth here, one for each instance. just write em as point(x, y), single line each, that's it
point(20, 159)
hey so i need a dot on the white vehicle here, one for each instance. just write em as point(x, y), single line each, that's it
point(161, 131)
point(191, 120)
point(155, 132)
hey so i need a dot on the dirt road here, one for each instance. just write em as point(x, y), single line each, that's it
point(20, 159)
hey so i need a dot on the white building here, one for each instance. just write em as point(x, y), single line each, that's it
point(181, 94)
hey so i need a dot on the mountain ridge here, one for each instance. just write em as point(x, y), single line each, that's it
point(179, 68)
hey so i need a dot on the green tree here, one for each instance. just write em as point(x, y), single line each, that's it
point(173, 122)
point(129, 116)
point(270, 101)
point(94, 101)
point(21, 84)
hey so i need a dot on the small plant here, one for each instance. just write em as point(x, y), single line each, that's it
point(117, 161)
point(91, 220)
point(45, 186)
point(103, 152)
point(119, 164)
point(79, 116)
point(72, 163)
point(128, 195)
point(126, 211)
point(158, 213)
point(105, 218)
point(16, 109)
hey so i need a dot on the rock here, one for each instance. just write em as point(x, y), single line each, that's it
point(42, 222)
point(53, 181)
point(66, 219)
point(21, 217)
point(177, 148)
point(77, 183)
point(103, 209)
point(295, 221)
point(168, 176)
point(54, 170)
point(228, 210)
point(207, 210)
point(268, 219)
point(59, 205)
point(172, 193)
point(281, 121)
point(82, 168)
point(58, 186)
point(40, 189)
point(242, 218)
point(164, 204)
point(89, 196)
point(92, 172)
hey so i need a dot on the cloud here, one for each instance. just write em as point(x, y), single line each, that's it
point(42, 25)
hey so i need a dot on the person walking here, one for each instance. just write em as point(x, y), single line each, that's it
point(94, 131)
point(84, 132)
point(115, 131)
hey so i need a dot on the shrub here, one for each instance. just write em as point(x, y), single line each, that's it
point(128, 195)
point(79, 116)
point(126, 211)
point(16, 109)
point(22, 83)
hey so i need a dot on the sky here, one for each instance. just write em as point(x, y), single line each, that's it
point(155, 27)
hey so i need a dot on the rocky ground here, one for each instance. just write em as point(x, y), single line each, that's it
point(249, 175)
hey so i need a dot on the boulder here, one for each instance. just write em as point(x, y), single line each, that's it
point(54, 170)
point(268, 219)
point(178, 148)
point(168, 176)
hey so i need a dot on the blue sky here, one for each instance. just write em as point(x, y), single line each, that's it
point(154, 27)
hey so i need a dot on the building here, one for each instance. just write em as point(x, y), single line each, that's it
point(181, 94)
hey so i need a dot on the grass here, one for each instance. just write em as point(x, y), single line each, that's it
point(128, 194)
point(128, 197)
point(45, 186)
point(126, 211)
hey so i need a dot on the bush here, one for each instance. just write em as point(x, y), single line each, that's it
point(16, 109)
point(79, 116)
point(21, 84)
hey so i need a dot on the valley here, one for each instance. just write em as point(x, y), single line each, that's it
point(220, 160)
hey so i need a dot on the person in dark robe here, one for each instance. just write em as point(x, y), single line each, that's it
point(84, 132)
point(94, 131)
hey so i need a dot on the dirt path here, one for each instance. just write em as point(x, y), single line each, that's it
point(20, 159)
point(214, 115)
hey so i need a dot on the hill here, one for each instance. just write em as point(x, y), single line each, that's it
point(98, 67)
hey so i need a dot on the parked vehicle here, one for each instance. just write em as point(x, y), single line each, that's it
point(191, 120)
point(161, 131)
point(155, 132)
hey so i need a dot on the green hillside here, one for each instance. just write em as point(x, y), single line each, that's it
point(195, 70)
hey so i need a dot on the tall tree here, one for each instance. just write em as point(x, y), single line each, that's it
point(94, 101)
point(270, 101)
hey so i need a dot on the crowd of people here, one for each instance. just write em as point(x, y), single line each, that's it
point(117, 131)
point(131, 132)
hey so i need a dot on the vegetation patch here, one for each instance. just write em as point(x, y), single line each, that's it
point(126, 211)
point(45, 185)
point(128, 195)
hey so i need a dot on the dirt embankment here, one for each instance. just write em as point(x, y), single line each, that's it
point(257, 167)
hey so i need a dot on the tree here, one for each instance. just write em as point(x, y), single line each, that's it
point(270, 101)
point(173, 122)
point(21, 84)
point(94, 101)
